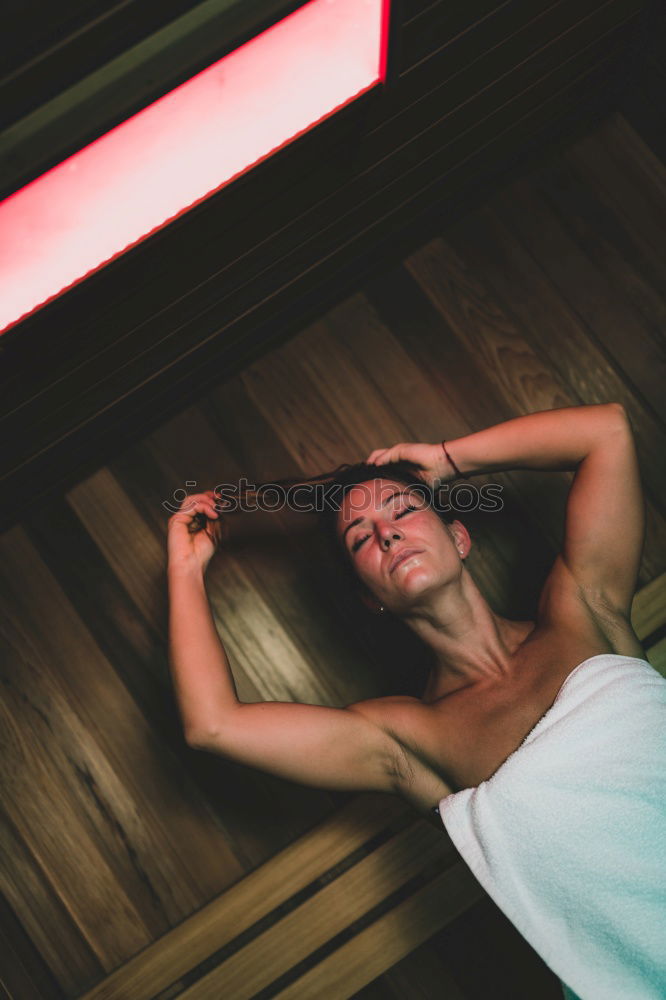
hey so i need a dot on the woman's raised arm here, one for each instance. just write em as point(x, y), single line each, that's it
point(346, 749)
point(605, 510)
point(605, 517)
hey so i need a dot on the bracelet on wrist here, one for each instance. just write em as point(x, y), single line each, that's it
point(451, 462)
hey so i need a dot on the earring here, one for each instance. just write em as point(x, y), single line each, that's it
point(381, 608)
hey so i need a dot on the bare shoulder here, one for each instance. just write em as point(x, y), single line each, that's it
point(415, 726)
point(409, 722)
point(389, 710)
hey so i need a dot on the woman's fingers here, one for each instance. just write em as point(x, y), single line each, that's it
point(193, 507)
point(382, 456)
point(202, 504)
point(194, 531)
point(427, 459)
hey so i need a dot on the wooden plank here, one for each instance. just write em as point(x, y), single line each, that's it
point(44, 53)
point(657, 656)
point(251, 900)
point(52, 756)
point(33, 904)
point(437, 24)
point(465, 88)
point(114, 621)
point(640, 208)
point(415, 8)
point(604, 242)
point(136, 555)
point(648, 612)
point(648, 617)
point(633, 156)
point(640, 101)
point(461, 36)
point(24, 972)
point(337, 905)
point(127, 835)
point(28, 34)
point(388, 939)
point(555, 330)
point(587, 290)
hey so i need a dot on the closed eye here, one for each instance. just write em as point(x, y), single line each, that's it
point(359, 541)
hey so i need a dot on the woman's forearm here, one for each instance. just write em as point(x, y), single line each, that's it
point(552, 439)
point(202, 677)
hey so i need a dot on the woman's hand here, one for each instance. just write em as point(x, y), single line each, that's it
point(192, 535)
point(435, 468)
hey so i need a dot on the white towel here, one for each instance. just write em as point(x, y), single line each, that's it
point(568, 836)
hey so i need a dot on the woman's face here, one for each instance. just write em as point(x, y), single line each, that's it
point(398, 546)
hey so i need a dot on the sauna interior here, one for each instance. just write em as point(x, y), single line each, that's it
point(479, 235)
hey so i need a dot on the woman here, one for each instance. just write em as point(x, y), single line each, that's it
point(503, 718)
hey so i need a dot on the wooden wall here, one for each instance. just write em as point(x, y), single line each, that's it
point(645, 79)
point(473, 86)
point(113, 830)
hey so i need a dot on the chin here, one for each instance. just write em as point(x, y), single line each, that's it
point(416, 582)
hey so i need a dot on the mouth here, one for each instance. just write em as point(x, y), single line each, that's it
point(401, 556)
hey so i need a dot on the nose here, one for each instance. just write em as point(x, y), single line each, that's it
point(388, 533)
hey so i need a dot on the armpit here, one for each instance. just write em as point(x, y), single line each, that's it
point(613, 623)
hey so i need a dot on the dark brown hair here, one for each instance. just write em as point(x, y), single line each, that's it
point(334, 485)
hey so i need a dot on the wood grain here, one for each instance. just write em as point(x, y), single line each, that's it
point(132, 864)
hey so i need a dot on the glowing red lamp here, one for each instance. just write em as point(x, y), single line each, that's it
point(184, 147)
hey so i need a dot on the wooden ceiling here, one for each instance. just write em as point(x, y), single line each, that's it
point(474, 87)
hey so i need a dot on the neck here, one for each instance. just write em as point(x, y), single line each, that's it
point(471, 643)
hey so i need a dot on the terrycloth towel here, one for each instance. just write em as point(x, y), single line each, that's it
point(568, 836)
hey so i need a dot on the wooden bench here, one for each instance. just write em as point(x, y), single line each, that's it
point(336, 908)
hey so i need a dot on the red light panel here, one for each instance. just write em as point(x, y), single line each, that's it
point(184, 147)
